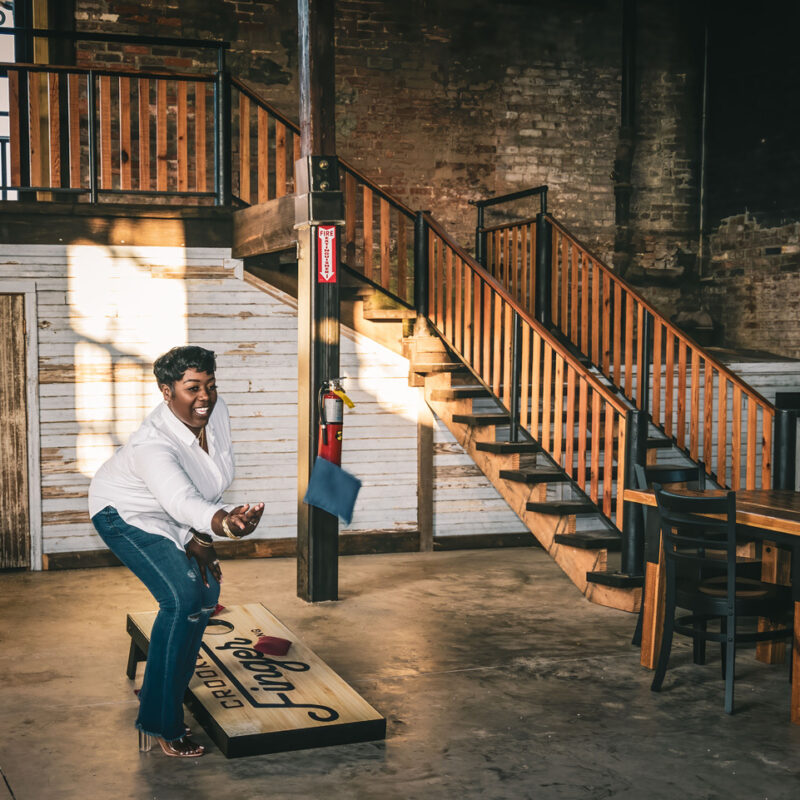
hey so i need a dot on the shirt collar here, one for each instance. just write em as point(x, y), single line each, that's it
point(177, 427)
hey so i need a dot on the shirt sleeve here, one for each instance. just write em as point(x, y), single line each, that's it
point(157, 465)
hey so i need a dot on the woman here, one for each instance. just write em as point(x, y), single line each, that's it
point(155, 503)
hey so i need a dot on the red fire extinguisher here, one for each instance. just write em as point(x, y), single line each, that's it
point(332, 400)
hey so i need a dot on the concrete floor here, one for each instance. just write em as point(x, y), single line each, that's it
point(497, 680)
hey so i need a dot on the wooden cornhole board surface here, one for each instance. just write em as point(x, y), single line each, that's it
point(250, 703)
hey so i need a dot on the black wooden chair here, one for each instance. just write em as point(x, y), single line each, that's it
point(689, 537)
point(693, 476)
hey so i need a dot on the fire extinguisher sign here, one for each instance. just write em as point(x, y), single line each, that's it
point(326, 254)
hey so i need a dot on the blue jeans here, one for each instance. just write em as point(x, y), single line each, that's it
point(185, 606)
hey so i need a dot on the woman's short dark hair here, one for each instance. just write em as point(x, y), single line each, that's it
point(171, 366)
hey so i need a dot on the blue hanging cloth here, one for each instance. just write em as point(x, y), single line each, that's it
point(332, 489)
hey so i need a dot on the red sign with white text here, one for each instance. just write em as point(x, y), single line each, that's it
point(326, 254)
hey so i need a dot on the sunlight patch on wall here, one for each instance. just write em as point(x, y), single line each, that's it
point(123, 318)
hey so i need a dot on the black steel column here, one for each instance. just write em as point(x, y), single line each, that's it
point(222, 133)
point(544, 267)
point(784, 447)
point(632, 516)
point(480, 239)
point(318, 203)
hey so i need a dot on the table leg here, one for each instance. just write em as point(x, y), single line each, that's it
point(653, 615)
point(776, 567)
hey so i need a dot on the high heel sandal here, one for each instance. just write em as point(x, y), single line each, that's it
point(146, 744)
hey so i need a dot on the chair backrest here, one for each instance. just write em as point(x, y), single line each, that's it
point(693, 525)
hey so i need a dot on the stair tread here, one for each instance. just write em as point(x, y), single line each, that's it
point(605, 539)
point(563, 507)
point(618, 580)
point(389, 314)
point(537, 475)
point(508, 448)
point(481, 419)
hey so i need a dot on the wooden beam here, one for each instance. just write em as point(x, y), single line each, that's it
point(264, 228)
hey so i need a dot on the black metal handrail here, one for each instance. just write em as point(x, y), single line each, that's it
point(481, 205)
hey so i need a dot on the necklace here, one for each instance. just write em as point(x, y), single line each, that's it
point(201, 438)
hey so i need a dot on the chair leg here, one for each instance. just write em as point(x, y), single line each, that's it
point(730, 663)
point(723, 658)
point(666, 647)
point(637, 633)
point(699, 643)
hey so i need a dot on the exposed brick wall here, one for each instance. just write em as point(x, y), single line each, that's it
point(754, 292)
point(458, 99)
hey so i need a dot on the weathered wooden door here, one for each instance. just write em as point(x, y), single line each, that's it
point(15, 540)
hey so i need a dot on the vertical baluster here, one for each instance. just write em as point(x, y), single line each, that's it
point(244, 147)
point(608, 461)
point(641, 372)
point(547, 395)
point(722, 430)
point(524, 262)
point(525, 375)
point(569, 423)
point(432, 288)
point(458, 302)
point(669, 382)
point(200, 139)
point(563, 321)
point(262, 156)
point(558, 411)
point(144, 134)
point(466, 346)
point(583, 422)
point(536, 386)
point(767, 422)
point(629, 329)
point(477, 326)
point(448, 295)
point(595, 313)
point(606, 342)
point(532, 270)
point(487, 334)
point(694, 421)
point(751, 453)
point(402, 256)
point(708, 415)
point(54, 119)
point(73, 94)
point(554, 282)
point(34, 129)
point(594, 492)
point(507, 274)
point(497, 341)
point(584, 304)
point(681, 394)
point(161, 136)
point(574, 280)
point(441, 288)
point(182, 148)
point(657, 328)
point(386, 240)
point(350, 221)
point(367, 215)
point(736, 440)
point(506, 356)
point(280, 162)
point(125, 153)
point(106, 173)
point(14, 127)
point(616, 346)
point(622, 457)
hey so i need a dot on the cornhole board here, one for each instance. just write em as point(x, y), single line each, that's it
point(250, 703)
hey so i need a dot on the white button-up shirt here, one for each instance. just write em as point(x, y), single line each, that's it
point(162, 481)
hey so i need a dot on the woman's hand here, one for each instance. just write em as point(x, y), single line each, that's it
point(243, 520)
point(206, 559)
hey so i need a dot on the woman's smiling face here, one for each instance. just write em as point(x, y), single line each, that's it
point(192, 397)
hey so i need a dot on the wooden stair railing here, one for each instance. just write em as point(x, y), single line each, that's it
point(501, 343)
point(709, 412)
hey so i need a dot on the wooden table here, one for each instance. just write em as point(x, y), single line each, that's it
point(772, 514)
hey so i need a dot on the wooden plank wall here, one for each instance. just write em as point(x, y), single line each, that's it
point(106, 312)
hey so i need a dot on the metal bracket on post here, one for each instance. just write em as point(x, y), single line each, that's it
point(318, 199)
point(784, 449)
point(544, 266)
point(632, 516)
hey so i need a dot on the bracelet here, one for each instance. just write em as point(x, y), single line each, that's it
point(202, 542)
point(226, 528)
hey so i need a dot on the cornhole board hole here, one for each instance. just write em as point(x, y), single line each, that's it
point(250, 703)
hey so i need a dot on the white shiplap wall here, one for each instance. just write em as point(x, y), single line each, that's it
point(104, 314)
